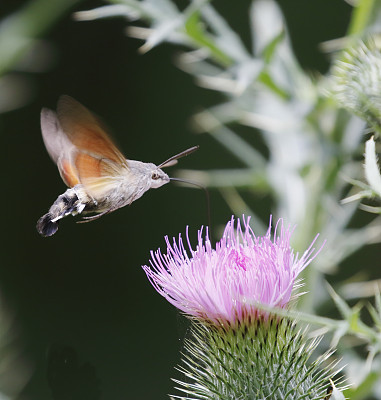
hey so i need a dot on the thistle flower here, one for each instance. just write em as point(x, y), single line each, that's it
point(235, 350)
point(225, 284)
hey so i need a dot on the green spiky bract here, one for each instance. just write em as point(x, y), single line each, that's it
point(356, 79)
point(261, 359)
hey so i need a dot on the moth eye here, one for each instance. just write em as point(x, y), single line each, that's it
point(155, 176)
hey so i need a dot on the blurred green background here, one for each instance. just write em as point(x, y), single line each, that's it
point(85, 319)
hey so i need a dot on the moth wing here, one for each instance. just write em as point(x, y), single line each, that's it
point(99, 176)
point(97, 161)
point(86, 131)
point(59, 147)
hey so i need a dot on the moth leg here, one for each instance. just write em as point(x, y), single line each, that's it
point(94, 217)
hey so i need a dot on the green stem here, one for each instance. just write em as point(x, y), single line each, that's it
point(362, 13)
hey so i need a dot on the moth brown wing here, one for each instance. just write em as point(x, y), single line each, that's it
point(86, 131)
point(98, 175)
point(68, 172)
point(96, 158)
point(58, 146)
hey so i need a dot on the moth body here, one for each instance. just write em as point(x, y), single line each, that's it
point(67, 203)
point(99, 177)
point(127, 188)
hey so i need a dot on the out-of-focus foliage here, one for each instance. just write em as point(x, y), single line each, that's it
point(21, 49)
point(14, 369)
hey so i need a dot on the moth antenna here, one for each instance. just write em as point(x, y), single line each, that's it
point(173, 160)
point(207, 197)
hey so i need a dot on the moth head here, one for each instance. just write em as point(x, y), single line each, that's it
point(158, 178)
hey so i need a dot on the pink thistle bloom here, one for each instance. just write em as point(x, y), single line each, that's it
point(225, 285)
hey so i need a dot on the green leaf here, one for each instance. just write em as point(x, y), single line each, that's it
point(375, 314)
point(161, 33)
point(267, 23)
point(364, 389)
point(343, 307)
point(267, 80)
point(271, 48)
point(196, 31)
point(226, 39)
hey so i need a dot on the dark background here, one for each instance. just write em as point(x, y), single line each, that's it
point(86, 319)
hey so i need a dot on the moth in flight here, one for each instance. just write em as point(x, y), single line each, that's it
point(99, 177)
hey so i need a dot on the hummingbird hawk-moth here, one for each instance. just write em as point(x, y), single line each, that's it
point(99, 177)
